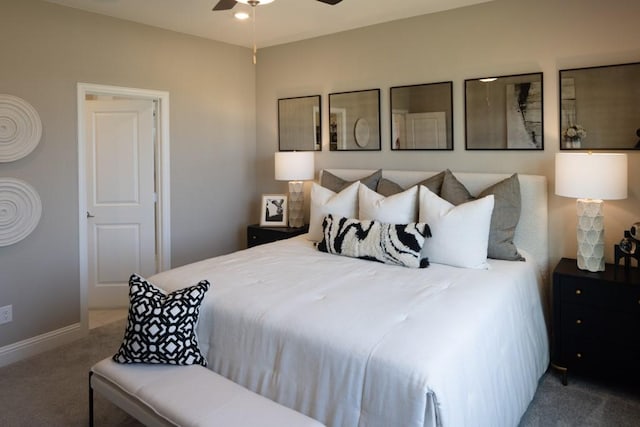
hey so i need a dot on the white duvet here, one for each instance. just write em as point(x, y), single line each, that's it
point(358, 343)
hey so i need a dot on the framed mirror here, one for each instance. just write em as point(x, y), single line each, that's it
point(422, 117)
point(504, 113)
point(600, 108)
point(354, 120)
point(300, 123)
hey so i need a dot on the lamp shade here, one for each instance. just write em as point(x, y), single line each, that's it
point(294, 165)
point(601, 176)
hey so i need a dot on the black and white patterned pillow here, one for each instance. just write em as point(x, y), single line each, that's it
point(161, 327)
point(399, 244)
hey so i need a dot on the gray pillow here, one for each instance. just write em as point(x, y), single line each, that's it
point(337, 184)
point(387, 188)
point(505, 216)
point(434, 183)
point(453, 191)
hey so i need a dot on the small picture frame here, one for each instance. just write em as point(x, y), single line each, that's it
point(274, 210)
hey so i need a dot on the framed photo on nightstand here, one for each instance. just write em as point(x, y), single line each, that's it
point(274, 210)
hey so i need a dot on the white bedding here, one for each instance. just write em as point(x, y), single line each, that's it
point(358, 343)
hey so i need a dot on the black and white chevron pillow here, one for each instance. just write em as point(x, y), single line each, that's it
point(161, 327)
point(399, 244)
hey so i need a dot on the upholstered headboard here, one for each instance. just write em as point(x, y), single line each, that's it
point(531, 232)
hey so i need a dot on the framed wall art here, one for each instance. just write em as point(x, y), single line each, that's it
point(274, 210)
point(300, 123)
point(422, 116)
point(20, 210)
point(600, 108)
point(504, 113)
point(20, 128)
point(354, 120)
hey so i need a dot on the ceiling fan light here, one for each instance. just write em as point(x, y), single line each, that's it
point(242, 16)
point(260, 2)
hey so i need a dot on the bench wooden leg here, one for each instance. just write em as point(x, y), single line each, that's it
point(90, 401)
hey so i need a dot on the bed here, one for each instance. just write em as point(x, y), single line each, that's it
point(359, 343)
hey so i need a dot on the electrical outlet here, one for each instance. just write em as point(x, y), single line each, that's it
point(6, 314)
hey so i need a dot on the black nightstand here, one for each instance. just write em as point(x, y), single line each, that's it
point(596, 321)
point(257, 235)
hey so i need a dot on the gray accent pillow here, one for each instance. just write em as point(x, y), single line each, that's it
point(505, 216)
point(387, 188)
point(337, 184)
point(434, 183)
point(453, 191)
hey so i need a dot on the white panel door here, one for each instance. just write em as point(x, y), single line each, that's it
point(427, 130)
point(121, 233)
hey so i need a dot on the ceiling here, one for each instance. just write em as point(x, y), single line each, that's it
point(282, 21)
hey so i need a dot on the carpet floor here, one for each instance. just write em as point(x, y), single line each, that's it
point(51, 390)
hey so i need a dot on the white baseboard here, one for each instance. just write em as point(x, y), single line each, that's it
point(30, 347)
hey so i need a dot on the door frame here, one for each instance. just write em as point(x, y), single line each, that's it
point(162, 182)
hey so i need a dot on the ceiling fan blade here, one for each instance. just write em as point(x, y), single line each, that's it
point(225, 5)
point(331, 2)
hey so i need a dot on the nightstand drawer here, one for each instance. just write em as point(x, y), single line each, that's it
point(605, 325)
point(257, 235)
point(616, 296)
point(581, 291)
point(590, 355)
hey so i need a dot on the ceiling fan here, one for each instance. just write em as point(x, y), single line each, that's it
point(228, 4)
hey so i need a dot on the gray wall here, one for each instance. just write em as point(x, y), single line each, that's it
point(501, 37)
point(46, 50)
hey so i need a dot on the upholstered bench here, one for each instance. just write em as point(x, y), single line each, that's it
point(161, 395)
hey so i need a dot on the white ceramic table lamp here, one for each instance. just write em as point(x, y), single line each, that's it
point(295, 167)
point(591, 178)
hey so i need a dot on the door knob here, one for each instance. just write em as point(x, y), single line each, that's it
point(89, 215)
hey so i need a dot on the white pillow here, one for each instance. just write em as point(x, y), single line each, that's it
point(325, 201)
point(459, 234)
point(401, 208)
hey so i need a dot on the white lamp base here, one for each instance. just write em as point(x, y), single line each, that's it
point(296, 204)
point(590, 230)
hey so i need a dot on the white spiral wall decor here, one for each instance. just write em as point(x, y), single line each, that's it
point(20, 210)
point(20, 128)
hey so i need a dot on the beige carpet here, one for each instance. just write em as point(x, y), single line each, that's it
point(51, 390)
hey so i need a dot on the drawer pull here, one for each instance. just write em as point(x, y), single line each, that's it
point(579, 355)
point(578, 292)
point(579, 322)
